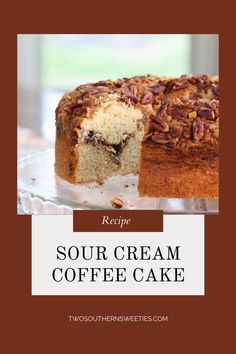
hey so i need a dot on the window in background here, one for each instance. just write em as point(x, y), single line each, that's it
point(69, 60)
point(72, 59)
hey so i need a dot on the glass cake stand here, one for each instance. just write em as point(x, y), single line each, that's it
point(40, 191)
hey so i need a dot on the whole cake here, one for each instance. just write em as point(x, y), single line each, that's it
point(100, 128)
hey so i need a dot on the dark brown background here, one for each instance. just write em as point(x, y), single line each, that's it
point(39, 324)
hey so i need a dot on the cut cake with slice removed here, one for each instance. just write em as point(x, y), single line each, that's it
point(100, 126)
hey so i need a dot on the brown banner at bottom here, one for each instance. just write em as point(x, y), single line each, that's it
point(118, 220)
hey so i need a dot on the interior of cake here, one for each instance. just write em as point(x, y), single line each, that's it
point(109, 142)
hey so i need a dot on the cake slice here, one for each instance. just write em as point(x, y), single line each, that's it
point(98, 137)
point(180, 151)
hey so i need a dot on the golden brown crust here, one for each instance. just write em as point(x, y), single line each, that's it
point(66, 158)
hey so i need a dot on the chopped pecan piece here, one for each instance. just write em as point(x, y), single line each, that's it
point(192, 114)
point(159, 124)
point(147, 97)
point(128, 94)
point(90, 92)
point(206, 113)
point(117, 203)
point(101, 83)
point(133, 90)
point(169, 87)
point(178, 113)
point(70, 108)
point(119, 82)
point(160, 138)
point(80, 111)
point(161, 110)
point(156, 88)
point(198, 129)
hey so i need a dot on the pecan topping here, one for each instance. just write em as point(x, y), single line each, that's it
point(198, 129)
point(216, 133)
point(172, 142)
point(70, 108)
point(156, 88)
point(178, 122)
point(181, 84)
point(192, 114)
point(214, 128)
point(187, 131)
point(159, 124)
point(176, 131)
point(119, 82)
point(147, 97)
point(162, 110)
point(128, 94)
point(147, 136)
point(101, 83)
point(133, 90)
point(160, 138)
point(90, 92)
point(80, 111)
point(164, 139)
point(178, 113)
point(215, 91)
point(206, 113)
point(157, 100)
point(169, 87)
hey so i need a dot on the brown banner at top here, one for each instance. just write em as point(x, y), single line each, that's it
point(118, 220)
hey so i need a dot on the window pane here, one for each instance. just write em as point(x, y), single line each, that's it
point(69, 60)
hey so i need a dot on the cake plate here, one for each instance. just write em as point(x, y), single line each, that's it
point(40, 191)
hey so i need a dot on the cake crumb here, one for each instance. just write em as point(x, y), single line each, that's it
point(100, 181)
point(126, 185)
point(117, 203)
